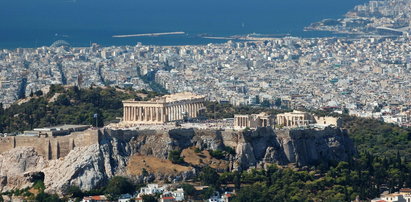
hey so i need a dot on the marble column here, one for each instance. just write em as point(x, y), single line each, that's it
point(128, 114)
point(131, 114)
point(150, 118)
point(189, 110)
point(140, 114)
point(172, 111)
point(192, 110)
point(178, 112)
point(137, 113)
point(195, 110)
point(145, 114)
point(160, 114)
point(161, 110)
point(157, 109)
point(168, 113)
point(124, 114)
point(134, 113)
point(154, 116)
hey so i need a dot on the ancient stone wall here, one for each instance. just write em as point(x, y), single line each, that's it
point(52, 147)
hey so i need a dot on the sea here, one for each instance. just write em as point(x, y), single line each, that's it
point(35, 23)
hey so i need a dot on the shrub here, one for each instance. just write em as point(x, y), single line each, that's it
point(174, 157)
point(119, 185)
point(218, 154)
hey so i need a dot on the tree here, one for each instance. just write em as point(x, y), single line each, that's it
point(209, 177)
point(38, 93)
point(188, 189)
point(207, 193)
point(149, 198)
point(277, 102)
point(74, 191)
point(174, 157)
point(44, 197)
point(237, 180)
point(119, 185)
point(218, 154)
point(253, 193)
point(266, 103)
point(62, 100)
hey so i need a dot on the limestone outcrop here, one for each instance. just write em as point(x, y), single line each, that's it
point(91, 166)
point(19, 168)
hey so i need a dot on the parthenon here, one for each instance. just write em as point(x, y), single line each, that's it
point(163, 109)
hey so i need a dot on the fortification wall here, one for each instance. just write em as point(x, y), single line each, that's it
point(53, 147)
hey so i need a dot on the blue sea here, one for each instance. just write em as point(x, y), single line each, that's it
point(34, 23)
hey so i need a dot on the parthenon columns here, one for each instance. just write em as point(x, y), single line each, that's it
point(160, 113)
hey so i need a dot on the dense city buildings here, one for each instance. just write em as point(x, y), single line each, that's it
point(366, 76)
point(388, 17)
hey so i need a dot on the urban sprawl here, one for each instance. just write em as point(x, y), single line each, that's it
point(366, 76)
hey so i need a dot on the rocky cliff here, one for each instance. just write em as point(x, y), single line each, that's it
point(91, 166)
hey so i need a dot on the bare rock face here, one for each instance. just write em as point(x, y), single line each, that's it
point(83, 167)
point(92, 166)
point(19, 168)
point(300, 147)
point(245, 156)
point(308, 147)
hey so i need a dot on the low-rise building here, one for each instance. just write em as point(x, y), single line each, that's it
point(404, 195)
point(56, 130)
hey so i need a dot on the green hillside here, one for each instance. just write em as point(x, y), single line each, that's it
point(67, 105)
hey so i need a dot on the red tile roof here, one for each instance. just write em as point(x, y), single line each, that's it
point(168, 197)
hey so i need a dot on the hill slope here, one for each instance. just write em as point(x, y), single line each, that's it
point(67, 105)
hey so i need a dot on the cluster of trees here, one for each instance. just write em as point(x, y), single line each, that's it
point(382, 165)
point(26, 193)
point(364, 177)
point(115, 187)
point(377, 137)
point(222, 154)
point(67, 105)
